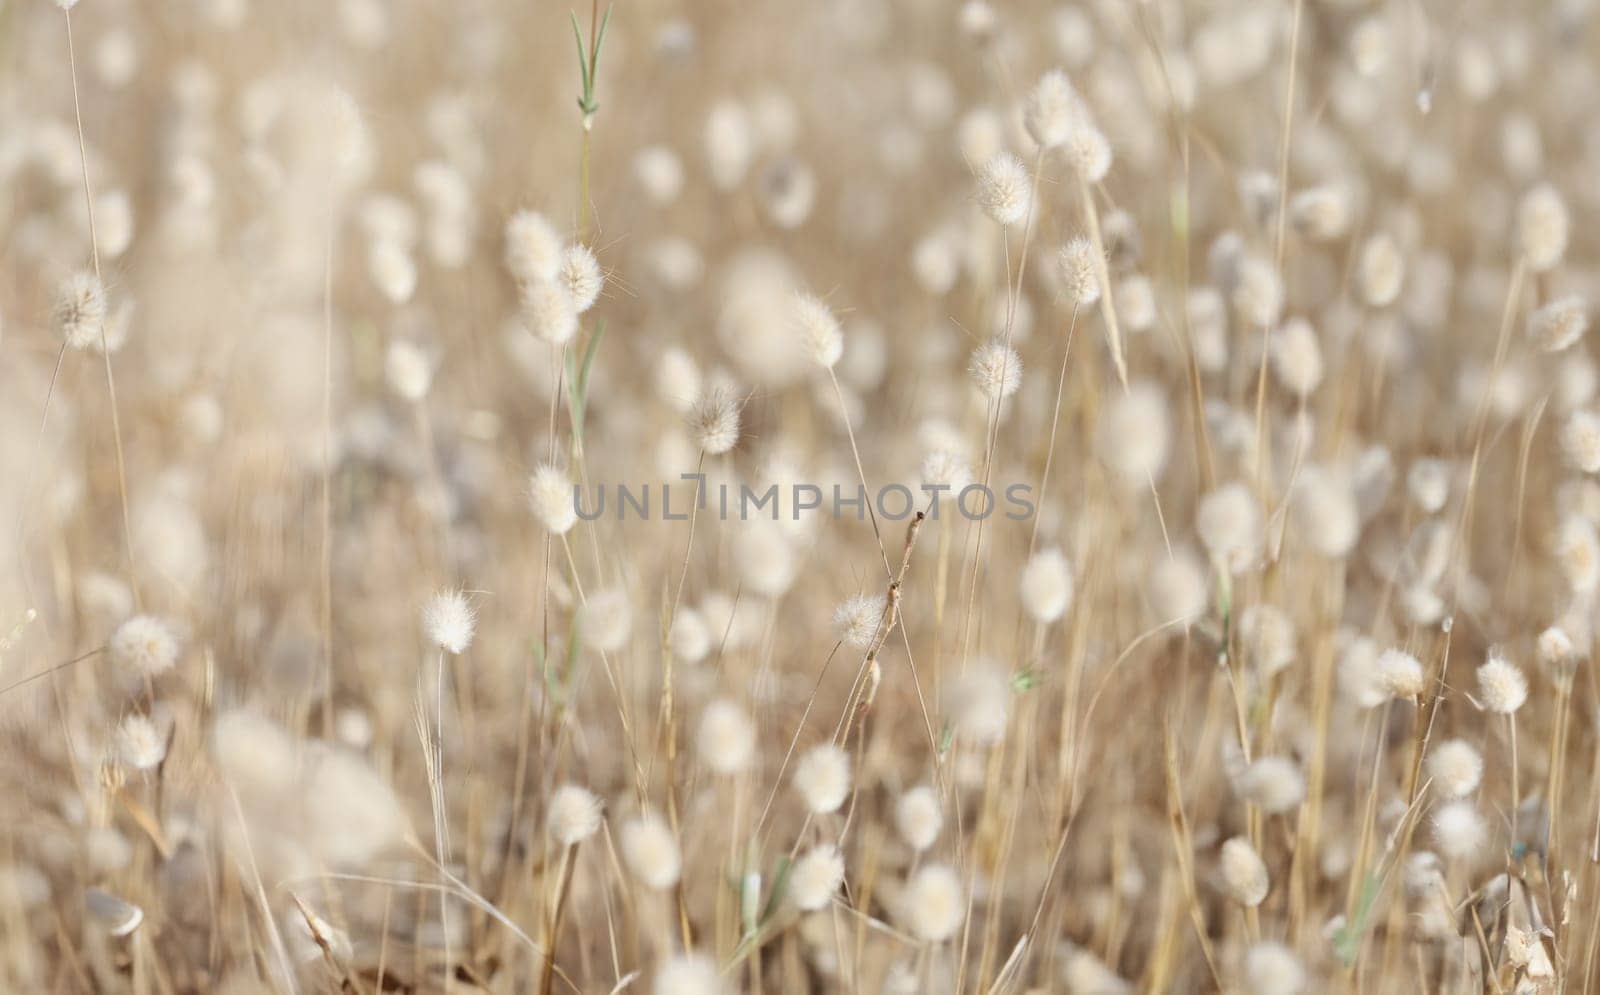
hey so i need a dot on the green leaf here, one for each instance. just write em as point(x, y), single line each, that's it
point(583, 61)
point(1026, 679)
point(599, 41)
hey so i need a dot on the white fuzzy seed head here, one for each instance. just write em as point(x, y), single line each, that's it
point(1051, 110)
point(1459, 831)
point(1088, 152)
point(144, 645)
point(995, 369)
point(816, 876)
point(935, 903)
point(1381, 270)
point(409, 370)
point(1580, 440)
point(690, 638)
point(605, 621)
point(1501, 686)
point(822, 776)
point(1559, 324)
point(714, 421)
point(1455, 767)
point(551, 497)
point(980, 703)
point(1273, 784)
point(1229, 523)
point(859, 618)
point(79, 313)
point(1271, 968)
point(549, 312)
point(1297, 357)
point(574, 814)
point(449, 621)
point(580, 274)
point(1428, 482)
point(651, 852)
point(1047, 586)
point(1134, 438)
point(818, 330)
point(688, 974)
point(946, 469)
point(1557, 653)
point(1577, 551)
point(534, 248)
point(1242, 872)
point(1543, 228)
point(1003, 189)
point(726, 740)
point(1257, 292)
point(1399, 674)
point(918, 817)
point(140, 743)
point(1079, 267)
point(1321, 213)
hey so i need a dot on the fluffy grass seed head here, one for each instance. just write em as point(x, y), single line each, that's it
point(140, 743)
point(580, 274)
point(1003, 189)
point(1047, 586)
point(1052, 109)
point(1229, 523)
point(859, 618)
point(1577, 552)
point(549, 312)
point(1243, 873)
point(948, 470)
point(819, 331)
point(1559, 324)
point(574, 814)
point(1501, 686)
point(1257, 292)
point(1459, 832)
point(980, 703)
point(1381, 270)
point(816, 876)
point(1543, 228)
point(534, 249)
point(605, 621)
point(1088, 151)
point(651, 852)
point(1321, 213)
point(935, 903)
point(1399, 674)
point(1297, 357)
point(1273, 784)
point(551, 497)
point(714, 421)
point(918, 817)
point(80, 310)
point(1080, 272)
point(144, 645)
point(1134, 437)
point(1580, 440)
point(1455, 767)
point(1270, 968)
point(688, 974)
point(995, 369)
point(726, 740)
point(408, 369)
point(690, 638)
point(449, 621)
point(822, 776)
